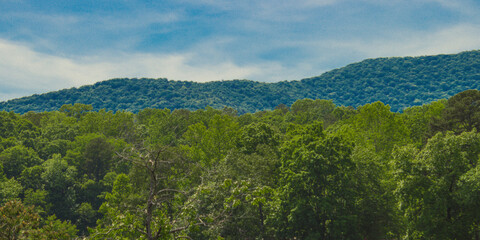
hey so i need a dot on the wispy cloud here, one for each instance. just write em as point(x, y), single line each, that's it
point(27, 72)
point(452, 39)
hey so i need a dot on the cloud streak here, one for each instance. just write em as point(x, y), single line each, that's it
point(27, 71)
point(452, 39)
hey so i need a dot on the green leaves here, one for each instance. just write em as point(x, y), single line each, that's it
point(431, 186)
point(318, 194)
point(9, 190)
point(120, 218)
point(209, 145)
point(461, 113)
point(256, 134)
point(17, 158)
point(76, 110)
point(59, 179)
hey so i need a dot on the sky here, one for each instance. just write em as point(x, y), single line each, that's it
point(51, 45)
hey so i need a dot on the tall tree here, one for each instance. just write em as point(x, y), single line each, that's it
point(59, 179)
point(461, 113)
point(17, 158)
point(317, 193)
point(431, 186)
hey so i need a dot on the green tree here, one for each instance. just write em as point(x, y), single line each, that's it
point(37, 198)
point(76, 110)
point(308, 110)
point(17, 158)
point(93, 154)
point(316, 199)
point(86, 217)
point(10, 190)
point(163, 126)
point(431, 186)
point(420, 118)
point(378, 216)
point(59, 179)
point(47, 148)
point(233, 193)
point(209, 144)
point(229, 209)
point(53, 228)
point(461, 113)
point(7, 124)
point(118, 125)
point(56, 125)
point(31, 177)
point(98, 157)
point(257, 134)
point(375, 125)
point(468, 197)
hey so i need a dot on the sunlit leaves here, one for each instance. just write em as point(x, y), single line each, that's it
point(431, 186)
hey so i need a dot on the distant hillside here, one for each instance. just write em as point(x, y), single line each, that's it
point(399, 82)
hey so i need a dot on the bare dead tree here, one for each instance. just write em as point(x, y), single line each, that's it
point(156, 162)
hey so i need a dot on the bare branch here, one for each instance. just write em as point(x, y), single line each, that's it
point(170, 190)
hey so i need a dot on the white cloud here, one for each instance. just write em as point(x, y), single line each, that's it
point(454, 39)
point(24, 71)
point(141, 18)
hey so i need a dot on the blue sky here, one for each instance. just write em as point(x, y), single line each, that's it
point(51, 45)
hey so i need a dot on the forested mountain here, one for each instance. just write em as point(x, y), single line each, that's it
point(312, 170)
point(398, 82)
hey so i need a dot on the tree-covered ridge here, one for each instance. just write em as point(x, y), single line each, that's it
point(398, 82)
point(136, 94)
point(313, 170)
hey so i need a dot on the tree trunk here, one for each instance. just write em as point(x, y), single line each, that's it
point(150, 204)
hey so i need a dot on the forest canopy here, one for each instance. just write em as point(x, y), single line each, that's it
point(311, 170)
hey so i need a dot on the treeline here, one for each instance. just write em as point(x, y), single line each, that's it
point(398, 82)
point(313, 170)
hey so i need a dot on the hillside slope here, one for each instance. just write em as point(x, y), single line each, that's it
point(399, 82)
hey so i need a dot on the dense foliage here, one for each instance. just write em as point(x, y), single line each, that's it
point(313, 170)
point(398, 82)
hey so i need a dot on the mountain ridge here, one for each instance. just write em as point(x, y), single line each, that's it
point(398, 81)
